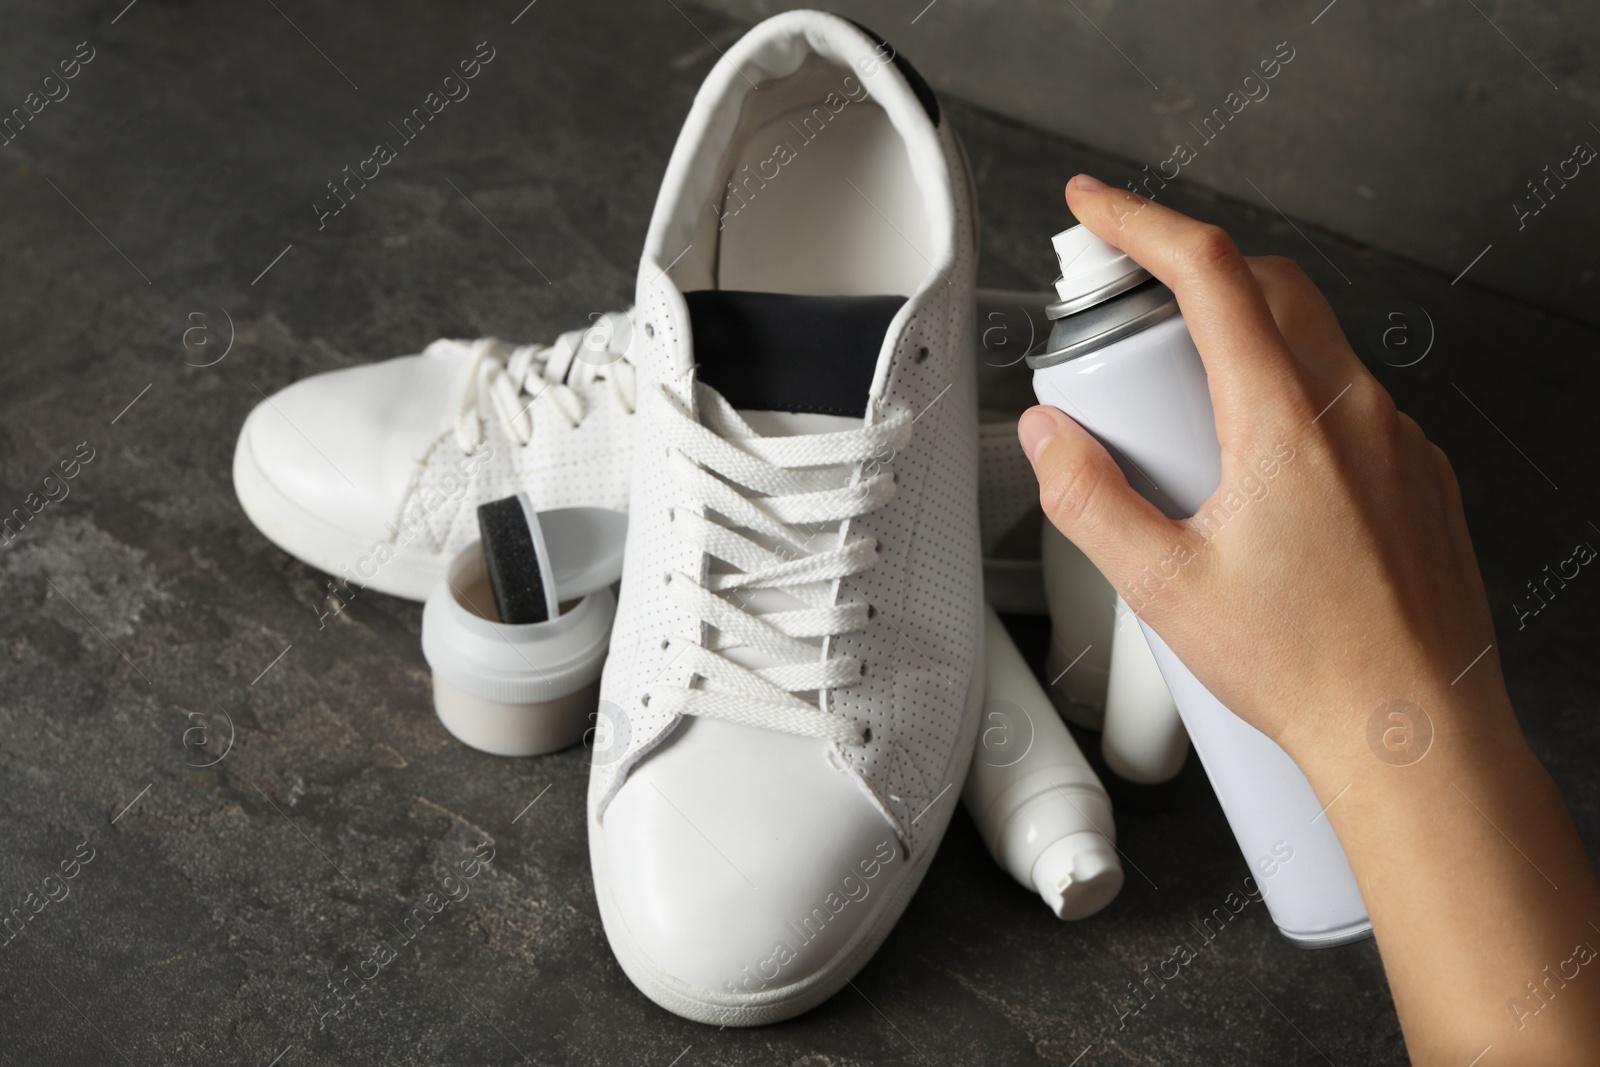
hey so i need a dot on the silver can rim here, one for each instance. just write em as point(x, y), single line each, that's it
point(1133, 312)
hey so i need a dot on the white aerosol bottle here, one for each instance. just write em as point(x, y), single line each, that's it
point(1121, 362)
point(1102, 673)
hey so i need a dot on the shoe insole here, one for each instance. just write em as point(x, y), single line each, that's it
point(823, 203)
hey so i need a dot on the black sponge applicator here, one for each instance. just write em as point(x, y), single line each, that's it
point(518, 564)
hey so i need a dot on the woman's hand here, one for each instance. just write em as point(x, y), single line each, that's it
point(1330, 575)
point(1331, 572)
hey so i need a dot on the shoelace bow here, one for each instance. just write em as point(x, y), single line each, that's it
point(748, 486)
point(514, 379)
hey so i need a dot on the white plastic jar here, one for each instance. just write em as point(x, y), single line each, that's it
point(513, 690)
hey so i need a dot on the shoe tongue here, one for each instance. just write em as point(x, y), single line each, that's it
point(779, 352)
point(789, 365)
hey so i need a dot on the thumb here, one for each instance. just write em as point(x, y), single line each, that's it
point(1086, 496)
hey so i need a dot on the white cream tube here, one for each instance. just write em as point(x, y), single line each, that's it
point(1041, 810)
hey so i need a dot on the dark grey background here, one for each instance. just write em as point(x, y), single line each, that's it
point(222, 900)
point(1411, 127)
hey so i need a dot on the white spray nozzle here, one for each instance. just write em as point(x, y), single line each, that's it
point(1091, 269)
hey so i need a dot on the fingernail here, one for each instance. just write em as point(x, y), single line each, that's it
point(1088, 184)
point(1035, 430)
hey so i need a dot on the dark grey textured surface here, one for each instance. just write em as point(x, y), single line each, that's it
point(222, 900)
point(1414, 127)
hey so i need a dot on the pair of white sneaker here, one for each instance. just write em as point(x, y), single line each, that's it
point(790, 417)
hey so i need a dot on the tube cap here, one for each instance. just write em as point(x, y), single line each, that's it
point(1078, 875)
point(1092, 271)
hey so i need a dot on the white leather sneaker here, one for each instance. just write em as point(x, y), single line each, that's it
point(375, 472)
point(792, 693)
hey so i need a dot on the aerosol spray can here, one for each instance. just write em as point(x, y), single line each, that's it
point(1121, 362)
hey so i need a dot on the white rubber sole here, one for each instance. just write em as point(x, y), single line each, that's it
point(405, 573)
point(717, 1008)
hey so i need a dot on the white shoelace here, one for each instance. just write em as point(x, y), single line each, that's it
point(514, 379)
point(754, 493)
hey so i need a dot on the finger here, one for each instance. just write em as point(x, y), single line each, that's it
point(1086, 496)
point(1251, 370)
point(1302, 313)
point(1307, 322)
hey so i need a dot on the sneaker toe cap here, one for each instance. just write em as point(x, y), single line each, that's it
point(344, 445)
point(742, 861)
